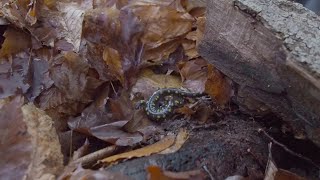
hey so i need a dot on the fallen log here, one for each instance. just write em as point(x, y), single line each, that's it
point(271, 49)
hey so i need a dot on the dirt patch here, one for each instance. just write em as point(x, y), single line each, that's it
point(231, 146)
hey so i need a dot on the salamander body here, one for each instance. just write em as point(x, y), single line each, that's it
point(161, 104)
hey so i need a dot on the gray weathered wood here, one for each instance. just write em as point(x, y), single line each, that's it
point(271, 48)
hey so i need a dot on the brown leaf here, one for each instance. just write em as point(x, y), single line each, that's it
point(74, 85)
point(121, 107)
point(163, 23)
point(109, 28)
point(186, 111)
point(15, 41)
point(114, 134)
point(15, 146)
point(148, 82)
point(201, 21)
point(189, 47)
point(31, 16)
point(218, 86)
point(145, 151)
point(49, 21)
point(180, 140)
point(45, 143)
point(194, 74)
point(14, 77)
point(40, 78)
point(113, 61)
point(90, 117)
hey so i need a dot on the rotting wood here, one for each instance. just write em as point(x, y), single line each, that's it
point(271, 49)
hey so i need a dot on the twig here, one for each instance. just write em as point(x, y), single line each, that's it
point(287, 149)
point(207, 170)
point(95, 156)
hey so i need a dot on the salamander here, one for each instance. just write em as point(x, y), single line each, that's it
point(161, 103)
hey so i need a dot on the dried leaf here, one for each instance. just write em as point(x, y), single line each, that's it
point(74, 85)
point(274, 173)
point(113, 61)
point(121, 107)
point(14, 77)
point(15, 146)
point(218, 86)
point(163, 23)
point(56, 21)
point(194, 74)
point(15, 41)
point(114, 134)
point(201, 21)
point(45, 143)
point(90, 117)
point(31, 16)
point(180, 140)
point(145, 151)
point(40, 78)
point(190, 49)
point(148, 82)
point(186, 111)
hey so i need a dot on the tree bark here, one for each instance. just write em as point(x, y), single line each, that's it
point(271, 49)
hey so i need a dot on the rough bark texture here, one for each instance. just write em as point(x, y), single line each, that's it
point(271, 49)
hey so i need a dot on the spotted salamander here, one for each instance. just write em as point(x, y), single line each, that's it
point(161, 104)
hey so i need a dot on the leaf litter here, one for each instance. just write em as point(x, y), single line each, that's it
point(82, 66)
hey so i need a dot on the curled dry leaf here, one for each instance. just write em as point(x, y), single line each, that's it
point(145, 151)
point(180, 140)
point(45, 143)
point(15, 146)
point(156, 173)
